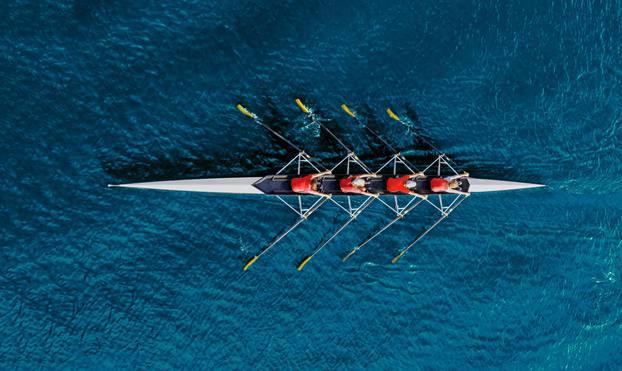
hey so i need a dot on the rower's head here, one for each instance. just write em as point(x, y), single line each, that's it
point(358, 182)
point(410, 184)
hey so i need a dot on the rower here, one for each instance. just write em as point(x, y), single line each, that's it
point(406, 184)
point(449, 184)
point(357, 184)
point(309, 184)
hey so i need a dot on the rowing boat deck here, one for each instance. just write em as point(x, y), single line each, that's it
point(281, 185)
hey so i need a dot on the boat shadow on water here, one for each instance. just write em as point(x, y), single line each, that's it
point(263, 160)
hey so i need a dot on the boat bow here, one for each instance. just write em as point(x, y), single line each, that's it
point(493, 185)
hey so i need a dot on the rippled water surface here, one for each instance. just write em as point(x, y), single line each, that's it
point(97, 92)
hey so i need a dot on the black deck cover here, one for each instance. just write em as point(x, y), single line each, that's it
point(281, 185)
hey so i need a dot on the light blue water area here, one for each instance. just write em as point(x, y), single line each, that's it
point(97, 92)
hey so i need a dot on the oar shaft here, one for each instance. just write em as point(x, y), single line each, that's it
point(405, 250)
point(279, 238)
point(421, 235)
point(344, 225)
point(410, 129)
point(334, 137)
point(282, 235)
point(379, 232)
point(280, 136)
point(259, 122)
point(363, 206)
point(306, 259)
point(400, 216)
point(379, 137)
point(315, 120)
point(370, 238)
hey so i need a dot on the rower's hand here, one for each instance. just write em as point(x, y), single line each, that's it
point(464, 173)
point(327, 172)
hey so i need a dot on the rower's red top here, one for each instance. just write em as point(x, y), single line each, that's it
point(439, 185)
point(396, 185)
point(346, 185)
point(303, 184)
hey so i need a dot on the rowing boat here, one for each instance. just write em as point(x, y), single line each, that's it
point(279, 185)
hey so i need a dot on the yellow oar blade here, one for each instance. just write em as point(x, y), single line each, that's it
point(394, 260)
point(347, 110)
point(302, 106)
point(245, 111)
point(349, 255)
point(250, 262)
point(392, 115)
point(304, 262)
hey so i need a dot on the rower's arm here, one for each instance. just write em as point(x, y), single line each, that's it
point(457, 176)
point(327, 172)
point(424, 197)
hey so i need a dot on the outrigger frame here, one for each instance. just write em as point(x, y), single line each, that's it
point(302, 159)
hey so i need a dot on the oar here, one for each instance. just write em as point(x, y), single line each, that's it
point(351, 155)
point(352, 114)
point(265, 250)
point(396, 118)
point(373, 132)
point(445, 215)
point(315, 120)
point(358, 211)
point(256, 119)
point(280, 237)
point(397, 218)
point(259, 122)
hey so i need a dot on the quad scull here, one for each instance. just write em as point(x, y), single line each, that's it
point(279, 185)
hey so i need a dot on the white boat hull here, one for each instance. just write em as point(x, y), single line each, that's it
point(245, 185)
point(477, 185)
point(213, 185)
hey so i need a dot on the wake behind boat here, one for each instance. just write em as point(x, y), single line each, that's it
point(439, 185)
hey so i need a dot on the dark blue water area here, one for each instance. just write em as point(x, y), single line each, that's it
point(97, 92)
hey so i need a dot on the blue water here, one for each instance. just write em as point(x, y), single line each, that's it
point(97, 92)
